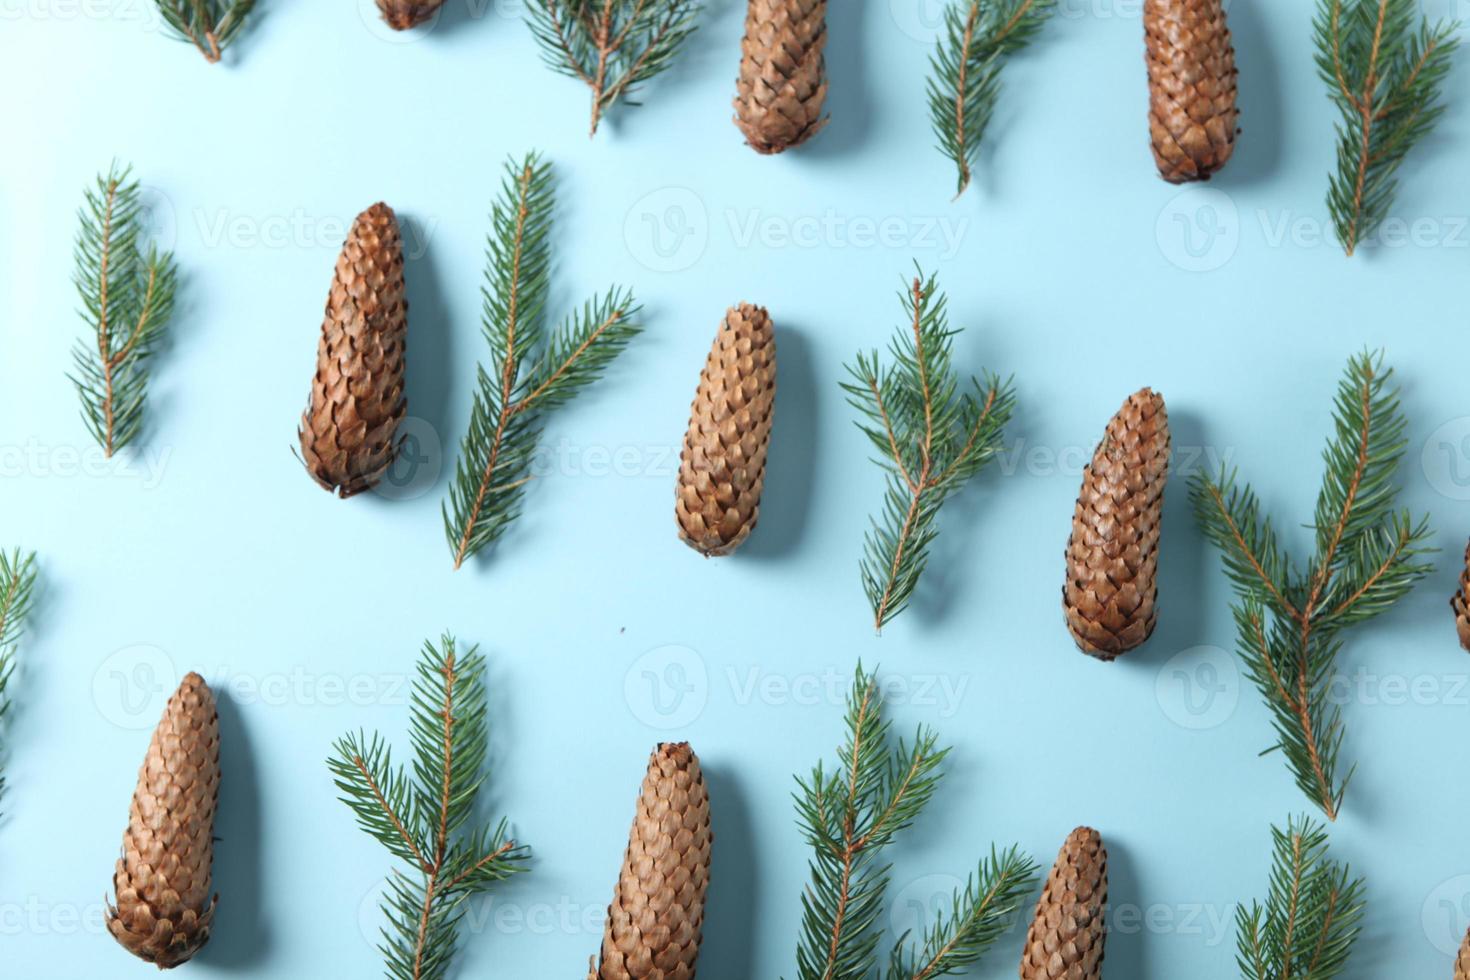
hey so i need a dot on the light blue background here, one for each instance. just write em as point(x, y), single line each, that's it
point(1074, 267)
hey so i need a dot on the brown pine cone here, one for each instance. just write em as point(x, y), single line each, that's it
point(403, 14)
point(1113, 553)
point(164, 908)
point(1460, 603)
point(347, 430)
point(1462, 962)
point(1065, 941)
point(656, 920)
point(1191, 82)
point(783, 73)
point(723, 465)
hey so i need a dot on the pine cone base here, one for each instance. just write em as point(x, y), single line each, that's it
point(1192, 87)
point(1462, 962)
point(1067, 935)
point(401, 15)
point(348, 430)
point(1460, 603)
point(722, 467)
point(782, 87)
point(1111, 592)
point(656, 920)
point(164, 911)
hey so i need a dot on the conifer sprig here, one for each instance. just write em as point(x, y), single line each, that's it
point(127, 297)
point(1312, 914)
point(613, 46)
point(931, 437)
point(964, 77)
point(849, 815)
point(531, 370)
point(1368, 556)
point(17, 591)
point(421, 814)
point(209, 25)
point(1385, 68)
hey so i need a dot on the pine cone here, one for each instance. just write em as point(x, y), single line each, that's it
point(164, 908)
point(403, 14)
point(723, 466)
point(656, 920)
point(1191, 81)
point(783, 74)
point(1065, 941)
point(1113, 553)
point(1460, 603)
point(1462, 962)
point(347, 431)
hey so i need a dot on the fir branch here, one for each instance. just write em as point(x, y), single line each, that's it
point(930, 436)
point(848, 816)
point(964, 79)
point(1385, 68)
point(612, 46)
point(1368, 556)
point(209, 25)
point(1312, 914)
point(127, 297)
point(531, 371)
point(421, 817)
point(17, 592)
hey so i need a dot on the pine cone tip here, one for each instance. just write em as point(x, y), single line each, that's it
point(1067, 935)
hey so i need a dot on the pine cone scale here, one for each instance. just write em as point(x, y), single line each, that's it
point(163, 910)
point(1192, 87)
point(656, 920)
point(347, 432)
point(783, 76)
point(1112, 555)
point(1066, 938)
point(723, 462)
point(1460, 603)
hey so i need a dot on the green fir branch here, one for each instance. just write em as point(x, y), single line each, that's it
point(1369, 554)
point(209, 25)
point(421, 814)
point(848, 815)
point(127, 297)
point(17, 593)
point(612, 46)
point(1312, 914)
point(931, 436)
point(964, 76)
point(531, 370)
point(1385, 68)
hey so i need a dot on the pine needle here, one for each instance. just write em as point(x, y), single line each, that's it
point(532, 370)
point(1312, 915)
point(848, 816)
point(421, 814)
point(17, 591)
point(964, 80)
point(931, 438)
point(127, 296)
point(1385, 69)
point(613, 46)
point(209, 25)
point(1368, 556)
